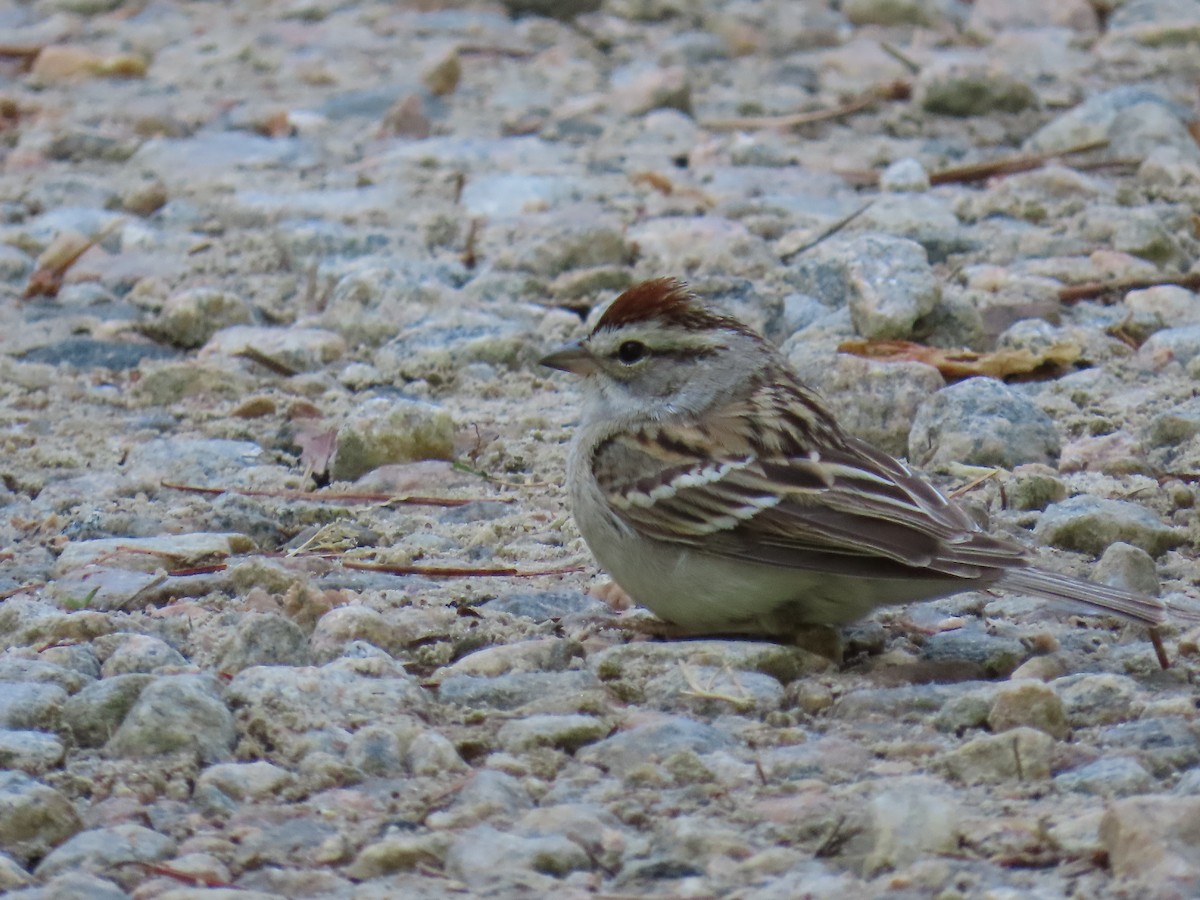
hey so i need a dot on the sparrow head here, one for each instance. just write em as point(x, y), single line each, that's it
point(658, 351)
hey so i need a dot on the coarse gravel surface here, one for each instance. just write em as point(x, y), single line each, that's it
point(253, 251)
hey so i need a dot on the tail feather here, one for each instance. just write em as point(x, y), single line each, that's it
point(1099, 598)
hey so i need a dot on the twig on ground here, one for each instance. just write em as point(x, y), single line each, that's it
point(325, 497)
point(1007, 165)
point(1090, 290)
point(899, 56)
point(894, 90)
point(827, 233)
point(454, 571)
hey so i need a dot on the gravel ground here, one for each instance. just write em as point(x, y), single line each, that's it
point(279, 247)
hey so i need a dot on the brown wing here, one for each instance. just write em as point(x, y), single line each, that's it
point(775, 498)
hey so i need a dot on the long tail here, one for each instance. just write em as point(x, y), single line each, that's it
point(1099, 598)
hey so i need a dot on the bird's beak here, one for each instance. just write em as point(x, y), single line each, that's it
point(573, 358)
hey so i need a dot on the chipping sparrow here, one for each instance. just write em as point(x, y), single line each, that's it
point(721, 494)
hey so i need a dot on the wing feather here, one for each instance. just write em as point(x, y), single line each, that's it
point(776, 498)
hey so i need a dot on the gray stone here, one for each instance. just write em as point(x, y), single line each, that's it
point(133, 653)
point(1103, 699)
point(371, 298)
point(627, 668)
point(700, 245)
point(77, 658)
point(12, 874)
point(928, 13)
point(1176, 425)
point(1189, 783)
point(1023, 754)
point(483, 857)
point(907, 703)
point(564, 243)
point(886, 281)
point(147, 553)
point(499, 196)
point(996, 655)
point(43, 671)
point(1155, 23)
point(1096, 119)
point(831, 759)
point(523, 689)
point(316, 237)
point(246, 782)
point(345, 624)
point(982, 422)
point(34, 818)
point(1090, 524)
point(278, 704)
point(15, 266)
point(75, 886)
point(190, 460)
point(94, 714)
point(1029, 703)
point(31, 752)
point(180, 713)
point(1164, 746)
point(382, 431)
point(1129, 568)
point(379, 749)
point(31, 706)
point(539, 655)
point(963, 87)
point(1181, 345)
point(1153, 840)
point(439, 346)
point(103, 850)
point(296, 349)
point(1144, 128)
point(1035, 486)
point(399, 853)
point(432, 754)
point(904, 175)
point(42, 230)
point(1147, 232)
point(567, 733)
point(189, 318)
point(263, 639)
point(1119, 776)
point(488, 794)
point(589, 825)
point(911, 819)
point(185, 162)
point(928, 219)
point(963, 712)
point(89, 353)
point(714, 690)
point(653, 740)
point(543, 605)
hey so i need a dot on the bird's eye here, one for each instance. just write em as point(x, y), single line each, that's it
point(631, 352)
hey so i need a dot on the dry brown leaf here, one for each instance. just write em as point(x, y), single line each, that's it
point(60, 62)
point(956, 364)
point(660, 183)
point(54, 262)
point(316, 449)
point(10, 113)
